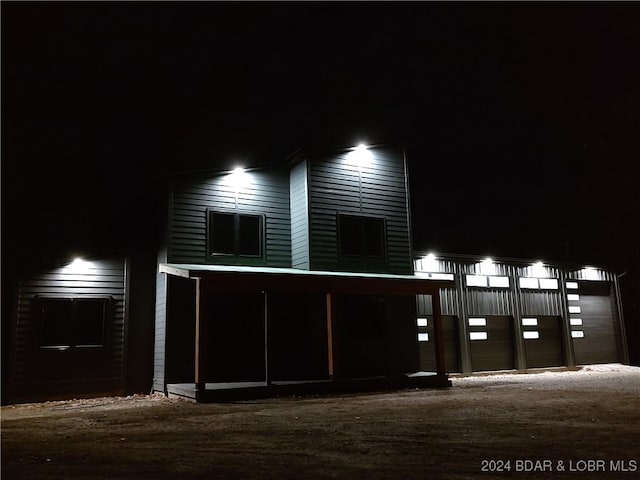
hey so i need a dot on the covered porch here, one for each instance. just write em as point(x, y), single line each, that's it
point(297, 332)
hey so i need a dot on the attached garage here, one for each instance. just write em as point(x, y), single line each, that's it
point(593, 325)
point(491, 342)
point(542, 337)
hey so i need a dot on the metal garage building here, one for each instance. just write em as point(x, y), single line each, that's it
point(506, 314)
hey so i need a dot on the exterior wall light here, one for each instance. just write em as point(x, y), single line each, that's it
point(239, 179)
point(538, 270)
point(78, 266)
point(430, 264)
point(590, 273)
point(360, 155)
point(487, 267)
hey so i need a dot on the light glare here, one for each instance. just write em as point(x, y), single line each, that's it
point(239, 178)
point(538, 270)
point(429, 263)
point(360, 155)
point(78, 265)
point(487, 267)
point(591, 273)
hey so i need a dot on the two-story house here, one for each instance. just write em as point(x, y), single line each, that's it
point(277, 276)
point(299, 278)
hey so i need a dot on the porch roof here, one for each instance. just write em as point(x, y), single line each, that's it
point(292, 279)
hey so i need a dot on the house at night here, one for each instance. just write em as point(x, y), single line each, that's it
point(300, 278)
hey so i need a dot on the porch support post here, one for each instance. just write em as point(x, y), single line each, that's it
point(267, 350)
point(438, 334)
point(200, 346)
point(331, 334)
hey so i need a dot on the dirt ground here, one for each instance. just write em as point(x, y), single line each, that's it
point(575, 424)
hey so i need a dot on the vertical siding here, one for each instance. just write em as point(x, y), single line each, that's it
point(336, 186)
point(596, 274)
point(267, 193)
point(547, 303)
point(101, 278)
point(299, 217)
point(448, 303)
point(541, 302)
point(488, 301)
point(495, 302)
point(485, 301)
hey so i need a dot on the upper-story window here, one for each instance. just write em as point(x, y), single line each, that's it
point(361, 236)
point(235, 234)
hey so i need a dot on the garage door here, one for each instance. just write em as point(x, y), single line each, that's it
point(427, 346)
point(592, 315)
point(491, 343)
point(542, 337)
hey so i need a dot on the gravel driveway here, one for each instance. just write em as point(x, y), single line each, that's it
point(564, 424)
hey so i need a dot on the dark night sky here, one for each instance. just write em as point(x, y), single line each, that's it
point(520, 120)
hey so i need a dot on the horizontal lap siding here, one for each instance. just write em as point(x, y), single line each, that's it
point(103, 278)
point(267, 194)
point(299, 217)
point(378, 189)
point(160, 333)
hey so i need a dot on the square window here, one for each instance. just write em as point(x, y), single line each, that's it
point(89, 322)
point(72, 322)
point(56, 316)
point(249, 235)
point(350, 235)
point(235, 234)
point(222, 233)
point(373, 229)
point(361, 236)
